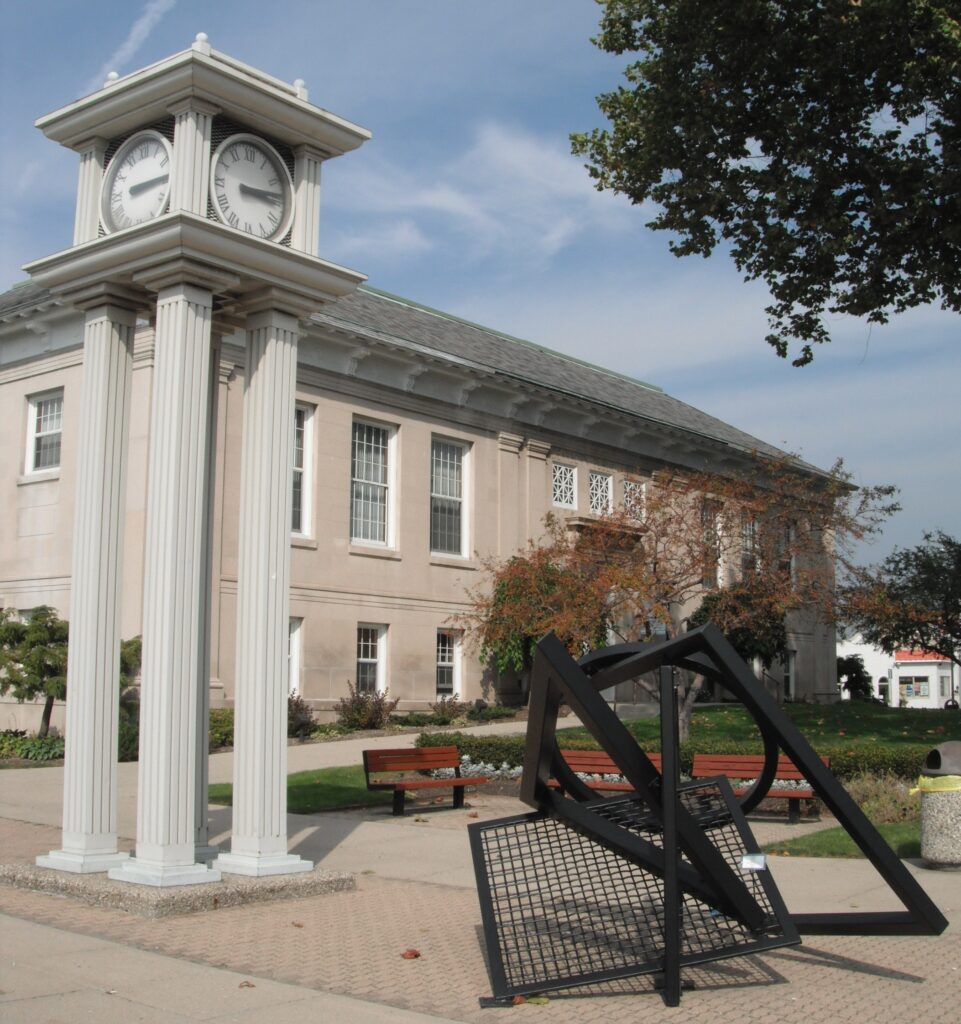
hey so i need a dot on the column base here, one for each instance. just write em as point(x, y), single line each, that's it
point(163, 875)
point(81, 863)
point(263, 864)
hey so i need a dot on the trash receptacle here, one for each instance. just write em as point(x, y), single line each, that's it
point(940, 786)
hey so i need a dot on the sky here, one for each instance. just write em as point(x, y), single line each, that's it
point(468, 199)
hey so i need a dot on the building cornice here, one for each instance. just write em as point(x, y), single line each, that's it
point(202, 74)
point(129, 257)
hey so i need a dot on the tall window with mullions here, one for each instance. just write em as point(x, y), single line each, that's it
point(370, 654)
point(298, 517)
point(446, 497)
point(446, 653)
point(45, 426)
point(369, 483)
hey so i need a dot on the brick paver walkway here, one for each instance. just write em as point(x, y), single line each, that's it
point(351, 943)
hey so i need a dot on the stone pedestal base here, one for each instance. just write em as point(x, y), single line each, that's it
point(162, 875)
point(260, 865)
point(81, 863)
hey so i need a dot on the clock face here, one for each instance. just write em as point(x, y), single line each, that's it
point(137, 182)
point(251, 188)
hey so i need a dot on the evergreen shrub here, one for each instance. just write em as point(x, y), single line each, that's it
point(221, 729)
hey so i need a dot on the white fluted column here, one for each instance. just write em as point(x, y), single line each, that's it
point(90, 768)
point(306, 229)
point(259, 843)
point(190, 174)
point(87, 218)
point(176, 592)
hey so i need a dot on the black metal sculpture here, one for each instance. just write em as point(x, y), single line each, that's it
point(590, 888)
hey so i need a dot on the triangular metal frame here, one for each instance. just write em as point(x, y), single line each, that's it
point(704, 650)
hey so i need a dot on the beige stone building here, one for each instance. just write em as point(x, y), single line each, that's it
point(423, 444)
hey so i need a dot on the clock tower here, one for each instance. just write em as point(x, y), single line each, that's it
point(197, 206)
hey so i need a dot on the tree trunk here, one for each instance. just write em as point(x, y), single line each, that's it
point(45, 717)
point(686, 708)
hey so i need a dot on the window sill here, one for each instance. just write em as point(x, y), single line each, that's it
point(39, 477)
point(391, 554)
point(453, 561)
point(300, 541)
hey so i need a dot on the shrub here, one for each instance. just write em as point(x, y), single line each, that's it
point(448, 709)
point(365, 710)
point(885, 799)
point(491, 713)
point(846, 762)
point(495, 750)
point(221, 728)
point(300, 717)
point(128, 741)
point(416, 719)
point(15, 743)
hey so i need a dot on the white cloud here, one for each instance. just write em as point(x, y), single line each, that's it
point(397, 240)
point(509, 195)
point(151, 14)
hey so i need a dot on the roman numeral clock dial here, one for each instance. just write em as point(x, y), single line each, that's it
point(251, 188)
point(137, 182)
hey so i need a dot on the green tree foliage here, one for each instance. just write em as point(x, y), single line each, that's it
point(854, 677)
point(537, 592)
point(817, 140)
point(640, 569)
point(912, 599)
point(753, 623)
point(33, 659)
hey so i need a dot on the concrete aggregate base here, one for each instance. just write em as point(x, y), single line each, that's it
point(941, 829)
point(147, 901)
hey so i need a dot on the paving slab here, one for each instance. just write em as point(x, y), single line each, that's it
point(341, 953)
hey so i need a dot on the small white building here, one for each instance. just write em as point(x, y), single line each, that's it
point(908, 679)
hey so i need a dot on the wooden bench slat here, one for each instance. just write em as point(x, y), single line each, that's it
point(397, 761)
point(750, 766)
point(599, 762)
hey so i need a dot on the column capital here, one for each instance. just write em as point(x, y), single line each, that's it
point(507, 442)
point(194, 105)
point(538, 449)
point(309, 152)
point(182, 270)
point(123, 300)
point(282, 300)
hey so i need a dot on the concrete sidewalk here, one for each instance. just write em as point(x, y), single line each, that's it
point(66, 961)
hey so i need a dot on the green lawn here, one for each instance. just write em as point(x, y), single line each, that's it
point(846, 723)
point(326, 789)
point(903, 838)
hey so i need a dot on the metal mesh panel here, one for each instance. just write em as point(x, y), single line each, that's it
point(561, 910)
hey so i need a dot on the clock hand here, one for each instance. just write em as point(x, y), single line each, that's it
point(143, 186)
point(274, 198)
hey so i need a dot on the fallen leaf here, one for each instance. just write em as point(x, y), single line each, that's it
point(439, 800)
point(246, 984)
point(297, 924)
point(519, 1000)
point(410, 954)
point(420, 819)
point(473, 814)
point(538, 1000)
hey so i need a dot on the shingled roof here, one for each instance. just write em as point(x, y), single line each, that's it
point(371, 311)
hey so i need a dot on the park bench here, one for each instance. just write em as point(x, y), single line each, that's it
point(405, 769)
point(745, 767)
point(596, 762)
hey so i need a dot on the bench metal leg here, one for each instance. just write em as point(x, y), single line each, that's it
point(459, 796)
point(399, 796)
point(794, 810)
